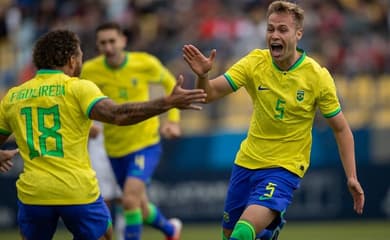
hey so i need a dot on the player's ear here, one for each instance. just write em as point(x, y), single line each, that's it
point(299, 34)
point(123, 40)
point(72, 61)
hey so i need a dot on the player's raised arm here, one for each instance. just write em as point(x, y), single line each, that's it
point(130, 113)
point(201, 65)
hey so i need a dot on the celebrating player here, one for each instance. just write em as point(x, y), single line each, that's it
point(50, 116)
point(286, 86)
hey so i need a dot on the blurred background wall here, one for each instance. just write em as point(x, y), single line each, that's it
point(350, 37)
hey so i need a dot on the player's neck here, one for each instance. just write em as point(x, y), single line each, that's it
point(65, 69)
point(118, 61)
point(287, 63)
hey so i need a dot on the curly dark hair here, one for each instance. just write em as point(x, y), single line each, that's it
point(55, 48)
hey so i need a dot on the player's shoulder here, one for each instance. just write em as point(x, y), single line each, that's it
point(140, 54)
point(25, 85)
point(310, 61)
point(10, 92)
point(79, 82)
point(144, 57)
point(93, 62)
point(310, 64)
point(257, 56)
point(259, 53)
point(76, 84)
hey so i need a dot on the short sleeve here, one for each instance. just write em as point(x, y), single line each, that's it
point(156, 70)
point(240, 72)
point(328, 102)
point(5, 128)
point(88, 94)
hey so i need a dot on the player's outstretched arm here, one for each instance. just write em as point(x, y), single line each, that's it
point(108, 111)
point(201, 65)
point(345, 142)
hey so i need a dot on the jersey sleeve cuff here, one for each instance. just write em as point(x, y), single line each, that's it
point(230, 81)
point(5, 132)
point(332, 114)
point(93, 104)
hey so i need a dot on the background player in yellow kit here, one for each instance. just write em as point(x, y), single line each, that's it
point(286, 87)
point(50, 117)
point(134, 150)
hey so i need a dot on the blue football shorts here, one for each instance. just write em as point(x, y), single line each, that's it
point(85, 221)
point(272, 188)
point(140, 164)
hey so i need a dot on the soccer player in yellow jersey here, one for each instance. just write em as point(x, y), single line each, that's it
point(50, 117)
point(286, 87)
point(134, 151)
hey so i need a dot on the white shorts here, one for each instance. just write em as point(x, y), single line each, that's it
point(101, 164)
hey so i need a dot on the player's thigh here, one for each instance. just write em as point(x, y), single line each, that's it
point(134, 186)
point(237, 196)
point(140, 164)
point(36, 221)
point(144, 163)
point(88, 221)
point(107, 235)
point(273, 188)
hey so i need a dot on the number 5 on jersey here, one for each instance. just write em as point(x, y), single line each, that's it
point(280, 108)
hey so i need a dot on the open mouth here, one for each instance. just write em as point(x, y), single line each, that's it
point(276, 49)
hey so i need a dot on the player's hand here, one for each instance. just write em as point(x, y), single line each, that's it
point(185, 98)
point(170, 130)
point(6, 159)
point(199, 64)
point(357, 194)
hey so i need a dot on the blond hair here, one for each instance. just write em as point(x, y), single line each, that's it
point(289, 8)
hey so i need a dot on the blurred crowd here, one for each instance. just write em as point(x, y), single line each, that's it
point(349, 37)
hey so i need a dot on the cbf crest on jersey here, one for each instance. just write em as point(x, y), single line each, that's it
point(134, 82)
point(300, 95)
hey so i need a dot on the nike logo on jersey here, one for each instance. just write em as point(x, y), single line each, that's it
point(260, 88)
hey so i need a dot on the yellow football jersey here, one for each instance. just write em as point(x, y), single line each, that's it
point(130, 83)
point(49, 117)
point(284, 106)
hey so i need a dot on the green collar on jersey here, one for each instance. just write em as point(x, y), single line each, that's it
point(49, 71)
point(296, 64)
point(120, 66)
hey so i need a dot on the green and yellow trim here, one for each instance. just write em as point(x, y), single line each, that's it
point(332, 114)
point(5, 132)
point(89, 109)
point(48, 71)
point(120, 66)
point(296, 64)
point(230, 81)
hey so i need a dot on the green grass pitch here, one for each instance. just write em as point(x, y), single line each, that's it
point(353, 230)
